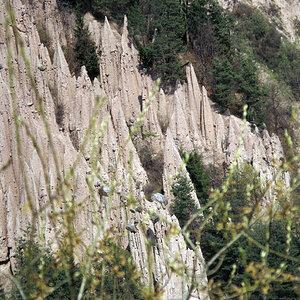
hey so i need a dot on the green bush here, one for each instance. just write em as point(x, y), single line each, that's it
point(254, 93)
point(121, 280)
point(235, 83)
point(242, 253)
point(40, 272)
point(244, 178)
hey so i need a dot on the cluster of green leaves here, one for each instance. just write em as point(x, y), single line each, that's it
point(183, 205)
point(120, 279)
point(41, 272)
point(237, 195)
point(235, 84)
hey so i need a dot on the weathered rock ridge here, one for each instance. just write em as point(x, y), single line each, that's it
point(192, 125)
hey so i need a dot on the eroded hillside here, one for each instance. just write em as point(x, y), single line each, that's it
point(183, 120)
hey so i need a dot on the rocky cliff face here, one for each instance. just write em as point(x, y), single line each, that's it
point(191, 124)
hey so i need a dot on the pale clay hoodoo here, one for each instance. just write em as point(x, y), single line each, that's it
point(193, 124)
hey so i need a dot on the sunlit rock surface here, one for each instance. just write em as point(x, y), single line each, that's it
point(192, 125)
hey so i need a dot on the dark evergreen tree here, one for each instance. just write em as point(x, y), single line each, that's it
point(253, 91)
point(222, 25)
point(85, 49)
point(224, 79)
point(111, 8)
point(198, 177)
point(184, 205)
point(167, 41)
point(137, 24)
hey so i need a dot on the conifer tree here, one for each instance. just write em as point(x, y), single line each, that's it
point(224, 80)
point(111, 8)
point(184, 205)
point(198, 176)
point(85, 49)
point(168, 32)
point(253, 92)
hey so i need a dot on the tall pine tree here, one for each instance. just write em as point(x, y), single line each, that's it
point(166, 31)
point(85, 49)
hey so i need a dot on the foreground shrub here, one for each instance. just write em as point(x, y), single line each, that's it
point(120, 278)
point(42, 274)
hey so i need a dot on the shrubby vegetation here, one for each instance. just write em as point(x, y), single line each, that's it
point(240, 199)
point(269, 46)
point(41, 273)
point(199, 177)
point(243, 265)
point(240, 261)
